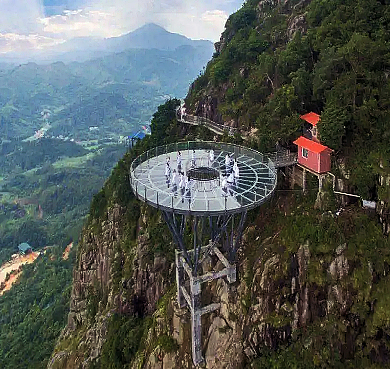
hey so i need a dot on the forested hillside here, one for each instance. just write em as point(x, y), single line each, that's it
point(277, 60)
point(34, 312)
point(312, 275)
point(116, 93)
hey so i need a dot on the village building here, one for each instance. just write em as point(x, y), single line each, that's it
point(310, 129)
point(313, 155)
point(24, 248)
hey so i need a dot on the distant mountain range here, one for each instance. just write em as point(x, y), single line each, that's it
point(116, 92)
point(149, 36)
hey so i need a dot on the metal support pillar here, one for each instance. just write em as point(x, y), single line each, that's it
point(320, 182)
point(196, 324)
point(179, 280)
point(189, 264)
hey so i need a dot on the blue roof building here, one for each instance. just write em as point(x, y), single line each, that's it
point(24, 248)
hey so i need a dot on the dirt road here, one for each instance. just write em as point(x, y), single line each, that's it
point(13, 266)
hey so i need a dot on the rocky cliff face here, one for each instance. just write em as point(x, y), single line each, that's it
point(266, 312)
point(109, 278)
point(293, 290)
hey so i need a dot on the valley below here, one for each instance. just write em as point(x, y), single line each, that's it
point(63, 128)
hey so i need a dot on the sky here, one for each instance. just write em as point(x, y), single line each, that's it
point(39, 24)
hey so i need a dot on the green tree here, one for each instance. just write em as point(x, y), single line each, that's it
point(332, 126)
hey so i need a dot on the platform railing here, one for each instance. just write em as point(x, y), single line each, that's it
point(141, 189)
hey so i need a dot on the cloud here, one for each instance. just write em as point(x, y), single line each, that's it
point(14, 42)
point(23, 23)
point(20, 16)
point(194, 19)
point(80, 23)
point(207, 25)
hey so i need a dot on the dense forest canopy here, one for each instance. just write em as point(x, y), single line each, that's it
point(34, 311)
point(278, 60)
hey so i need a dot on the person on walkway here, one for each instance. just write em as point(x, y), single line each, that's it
point(236, 172)
point(211, 157)
point(227, 160)
point(228, 164)
point(235, 165)
point(224, 186)
point(187, 190)
point(230, 182)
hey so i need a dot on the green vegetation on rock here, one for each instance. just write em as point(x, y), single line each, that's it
point(278, 60)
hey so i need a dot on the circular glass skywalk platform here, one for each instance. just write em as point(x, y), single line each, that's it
point(206, 178)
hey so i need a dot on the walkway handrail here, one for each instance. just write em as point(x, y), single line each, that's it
point(281, 158)
point(202, 121)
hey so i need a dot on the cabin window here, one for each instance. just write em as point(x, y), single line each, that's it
point(305, 152)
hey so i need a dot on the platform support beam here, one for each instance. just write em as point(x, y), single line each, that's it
point(196, 324)
point(189, 271)
point(179, 279)
point(192, 298)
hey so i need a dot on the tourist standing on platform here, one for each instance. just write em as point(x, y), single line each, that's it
point(236, 172)
point(167, 173)
point(182, 185)
point(193, 158)
point(187, 190)
point(174, 181)
point(227, 160)
point(228, 164)
point(211, 157)
point(224, 186)
point(178, 160)
point(230, 181)
point(235, 165)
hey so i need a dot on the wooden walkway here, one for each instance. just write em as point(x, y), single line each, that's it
point(281, 158)
point(194, 120)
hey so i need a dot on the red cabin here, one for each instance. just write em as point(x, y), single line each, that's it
point(310, 130)
point(313, 155)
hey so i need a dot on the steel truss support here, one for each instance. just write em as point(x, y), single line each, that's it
point(209, 231)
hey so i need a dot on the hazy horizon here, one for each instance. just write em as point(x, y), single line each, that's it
point(30, 26)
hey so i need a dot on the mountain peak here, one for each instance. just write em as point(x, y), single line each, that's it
point(151, 36)
point(150, 27)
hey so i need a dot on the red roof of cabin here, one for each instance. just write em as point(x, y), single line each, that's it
point(312, 118)
point(311, 145)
